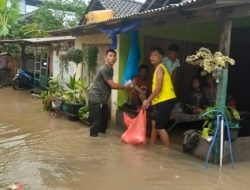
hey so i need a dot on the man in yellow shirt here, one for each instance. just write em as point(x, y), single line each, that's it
point(163, 97)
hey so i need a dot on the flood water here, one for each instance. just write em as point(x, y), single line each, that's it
point(44, 152)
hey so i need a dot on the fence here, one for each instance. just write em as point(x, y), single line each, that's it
point(8, 68)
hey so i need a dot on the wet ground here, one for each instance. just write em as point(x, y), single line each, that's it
point(45, 152)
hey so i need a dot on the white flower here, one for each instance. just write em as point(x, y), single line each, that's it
point(210, 62)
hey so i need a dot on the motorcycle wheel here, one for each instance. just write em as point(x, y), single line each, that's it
point(17, 84)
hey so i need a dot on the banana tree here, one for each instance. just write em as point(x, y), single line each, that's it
point(9, 15)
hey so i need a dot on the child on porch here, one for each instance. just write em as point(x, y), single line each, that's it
point(141, 88)
point(196, 100)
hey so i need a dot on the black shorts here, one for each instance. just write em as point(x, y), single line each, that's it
point(162, 112)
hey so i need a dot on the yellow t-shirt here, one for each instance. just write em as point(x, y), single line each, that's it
point(167, 91)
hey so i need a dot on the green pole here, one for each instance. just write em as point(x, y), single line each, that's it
point(224, 47)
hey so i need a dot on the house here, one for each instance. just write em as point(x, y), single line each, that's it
point(93, 37)
point(191, 24)
point(217, 24)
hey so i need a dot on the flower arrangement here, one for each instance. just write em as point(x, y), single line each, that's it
point(211, 63)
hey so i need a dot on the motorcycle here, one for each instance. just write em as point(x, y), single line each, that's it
point(23, 80)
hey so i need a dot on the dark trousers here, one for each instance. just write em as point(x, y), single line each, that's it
point(98, 117)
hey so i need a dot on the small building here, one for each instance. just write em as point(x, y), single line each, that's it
point(40, 56)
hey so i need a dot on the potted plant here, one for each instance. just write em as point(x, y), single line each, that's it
point(84, 114)
point(74, 96)
point(232, 115)
point(75, 55)
point(52, 96)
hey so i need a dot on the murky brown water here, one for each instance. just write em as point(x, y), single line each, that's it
point(45, 152)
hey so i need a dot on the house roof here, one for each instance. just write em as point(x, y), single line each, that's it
point(160, 15)
point(155, 11)
point(119, 7)
point(33, 2)
point(154, 4)
point(41, 40)
point(187, 5)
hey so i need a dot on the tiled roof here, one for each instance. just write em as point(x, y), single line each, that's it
point(122, 7)
point(119, 7)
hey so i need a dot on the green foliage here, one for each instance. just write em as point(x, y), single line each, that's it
point(78, 7)
point(76, 92)
point(92, 53)
point(51, 16)
point(14, 50)
point(75, 55)
point(30, 30)
point(9, 16)
point(53, 93)
point(232, 115)
point(46, 20)
point(84, 113)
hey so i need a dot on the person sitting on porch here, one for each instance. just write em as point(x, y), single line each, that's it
point(141, 88)
point(210, 91)
point(196, 99)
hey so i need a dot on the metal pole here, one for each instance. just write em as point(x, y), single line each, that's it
point(221, 139)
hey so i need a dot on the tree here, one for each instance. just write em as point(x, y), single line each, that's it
point(52, 15)
point(9, 15)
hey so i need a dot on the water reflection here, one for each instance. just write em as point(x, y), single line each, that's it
point(44, 152)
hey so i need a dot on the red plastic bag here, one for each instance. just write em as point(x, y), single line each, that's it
point(127, 120)
point(136, 129)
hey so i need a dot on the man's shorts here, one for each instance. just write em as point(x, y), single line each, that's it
point(162, 112)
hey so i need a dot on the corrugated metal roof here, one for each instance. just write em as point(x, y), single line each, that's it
point(48, 39)
point(40, 40)
point(154, 4)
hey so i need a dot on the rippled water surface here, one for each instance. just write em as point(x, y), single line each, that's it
point(44, 152)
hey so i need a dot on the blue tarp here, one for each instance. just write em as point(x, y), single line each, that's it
point(134, 52)
point(123, 27)
point(131, 68)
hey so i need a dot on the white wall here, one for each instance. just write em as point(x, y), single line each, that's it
point(56, 70)
point(114, 93)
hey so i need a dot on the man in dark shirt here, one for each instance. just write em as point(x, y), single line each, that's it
point(99, 94)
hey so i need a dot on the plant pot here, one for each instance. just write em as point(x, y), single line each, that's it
point(233, 133)
point(71, 108)
point(56, 104)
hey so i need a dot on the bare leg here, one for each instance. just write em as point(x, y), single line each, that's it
point(153, 136)
point(164, 137)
